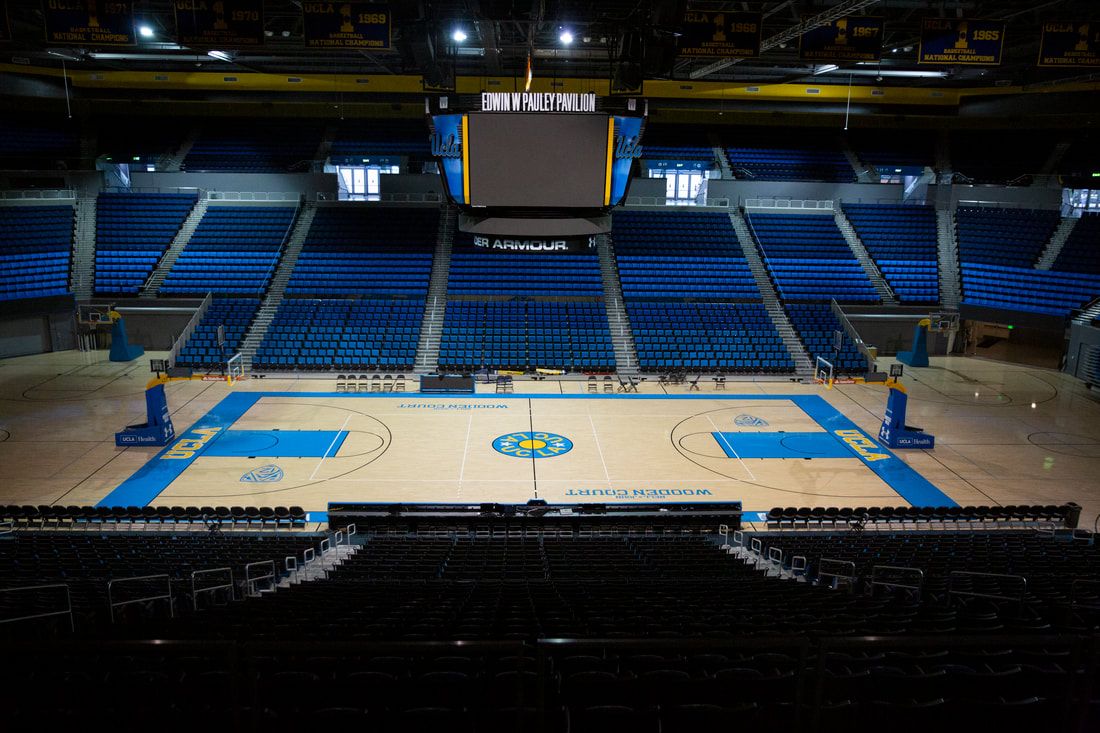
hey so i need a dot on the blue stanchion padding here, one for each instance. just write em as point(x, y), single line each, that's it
point(121, 349)
point(157, 428)
point(894, 432)
point(918, 356)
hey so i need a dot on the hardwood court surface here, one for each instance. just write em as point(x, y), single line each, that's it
point(58, 413)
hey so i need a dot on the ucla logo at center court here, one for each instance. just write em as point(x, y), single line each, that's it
point(532, 445)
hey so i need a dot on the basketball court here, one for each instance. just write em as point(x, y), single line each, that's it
point(1005, 435)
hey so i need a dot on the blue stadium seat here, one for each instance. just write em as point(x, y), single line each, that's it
point(36, 244)
point(320, 335)
point(234, 251)
point(902, 241)
point(201, 350)
point(132, 233)
point(809, 259)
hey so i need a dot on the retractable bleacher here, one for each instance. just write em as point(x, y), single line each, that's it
point(902, 240)
point(811, 264)
point(132, 233)
point(36, 244)
point(524, 311)
point(762, 155)
point(254, 146)
point(998, 249)
point(355, 299)
point(202, 350)
point(234, 251)
point(692, 301)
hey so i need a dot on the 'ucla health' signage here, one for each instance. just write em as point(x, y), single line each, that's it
point(346, 25)
point(855, 38)
point(721, 35)
point(220, 23)
point(537, 102)
point(1070, 44)
point(89, 22)
point(961, 41)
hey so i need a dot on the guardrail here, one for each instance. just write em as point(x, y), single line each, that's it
point(112, 604)
point(67, 611)
point(709, 203)
point(181, 340)
point(413, 197)
point(253, 195)
point(853, 334)
point(790, 204)
point(211, 589)
point(38, 194)
point(982, 203)
point(155, 189)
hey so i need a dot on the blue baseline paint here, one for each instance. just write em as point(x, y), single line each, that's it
point(912, 487)
point(155, 476)
point(781, 445)
point(276, 443)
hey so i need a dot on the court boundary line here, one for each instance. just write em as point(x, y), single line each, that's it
point(313, 476)
point(155, 476)
point(730, 447)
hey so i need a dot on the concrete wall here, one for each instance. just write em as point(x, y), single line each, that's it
point(1032, 197)
point(303, 183)
point(22, 336)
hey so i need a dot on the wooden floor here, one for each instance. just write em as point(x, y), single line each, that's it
point(1004, 435)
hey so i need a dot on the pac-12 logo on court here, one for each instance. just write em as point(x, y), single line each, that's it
point(532, 445)
point(750, 421)
point(264, 475)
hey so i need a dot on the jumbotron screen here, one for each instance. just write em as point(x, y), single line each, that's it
point(538, 160)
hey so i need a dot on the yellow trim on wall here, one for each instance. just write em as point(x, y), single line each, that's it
point(466, 158)
point(407, 84)
point(610, 157)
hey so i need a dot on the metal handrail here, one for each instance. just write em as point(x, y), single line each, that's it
point(253, 196)
point(782, 203)
point(251, 580)
point(995, 596)
point(68, 603)
point(822, 572)
point(1073, 592)
point(112, 605)
point(38, 194)
point(189, 329)
point(853, 334)
point(195, 592)
point(892, 584)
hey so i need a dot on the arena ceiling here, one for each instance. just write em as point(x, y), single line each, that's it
point(611, 38)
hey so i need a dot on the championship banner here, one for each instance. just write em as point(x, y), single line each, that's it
point(219, 23)
point(346, 25)
point(721, 35)
point(1070, 44)
point(89, 22)
point(855, 38)
point(960, 41)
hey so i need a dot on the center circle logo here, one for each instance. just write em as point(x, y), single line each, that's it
point(532, 445)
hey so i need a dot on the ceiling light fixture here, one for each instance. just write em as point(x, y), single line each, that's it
point(219, 55)
point(566, 37)
point(458, 36)
point(145, 31)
